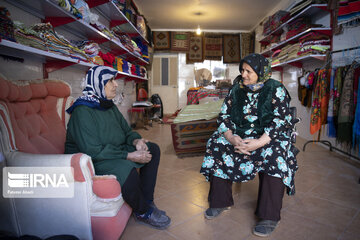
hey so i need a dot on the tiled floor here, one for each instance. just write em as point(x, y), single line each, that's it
point(326, 205)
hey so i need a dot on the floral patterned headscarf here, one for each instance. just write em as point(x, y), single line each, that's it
point(261, 66)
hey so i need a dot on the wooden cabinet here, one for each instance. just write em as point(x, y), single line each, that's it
point(49, 11)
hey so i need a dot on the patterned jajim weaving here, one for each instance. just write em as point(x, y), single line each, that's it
point(161, 40)
point(195, 53)
point(213, 47)
point(231, 48)
point(180, 41)
point(190, 138)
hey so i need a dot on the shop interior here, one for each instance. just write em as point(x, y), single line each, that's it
point(176, 63)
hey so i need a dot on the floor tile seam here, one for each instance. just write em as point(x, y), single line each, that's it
point(339, 203)
point(171, 234)
point(310, 218)
point(192, 203)
point(186, 220)
point(349, 224)
point(180, 170)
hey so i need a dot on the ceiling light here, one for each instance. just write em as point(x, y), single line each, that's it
point(198, 30)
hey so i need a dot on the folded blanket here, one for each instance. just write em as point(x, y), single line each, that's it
point(204, 111)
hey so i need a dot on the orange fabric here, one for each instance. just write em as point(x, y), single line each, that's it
point(320, 101)
point(106, 187)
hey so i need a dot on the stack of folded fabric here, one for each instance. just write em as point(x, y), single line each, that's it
point(27, 36)
point(266, 26)
point(299, 6)
point(124, 38)
point(282, 55)
point(102, 28)
point(293, 51)
point(57, 43)
point(314, 43)
point(297, 26)
point(137, 50)
point(125, 66)
point(143, 49)
point(6, 25)
point(108, 58)
point(278, 18)
point(135, 70)
point(275, 57)
point(90, 48)
point(44, 37)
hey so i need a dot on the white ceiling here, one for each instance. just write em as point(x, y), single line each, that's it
point(210, 15)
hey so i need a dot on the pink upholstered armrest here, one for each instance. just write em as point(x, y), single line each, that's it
point(106, 186)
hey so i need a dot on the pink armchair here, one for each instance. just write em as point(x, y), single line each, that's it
point(33, 129)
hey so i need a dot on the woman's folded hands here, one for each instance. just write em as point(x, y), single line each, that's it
point(246, 146)
point(139, 156)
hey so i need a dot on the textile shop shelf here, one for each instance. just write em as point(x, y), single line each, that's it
point(49, 11)
point(297, 62)
point(111, 12)
point(55, 59)
point(326, 31)
point(306, 12)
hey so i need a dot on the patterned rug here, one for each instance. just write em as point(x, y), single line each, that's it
point(213, 47)
point(231, 48)
point(180, 41)
point(247, 44)
point(161, 40)
point(195, 53)
point(190, 138)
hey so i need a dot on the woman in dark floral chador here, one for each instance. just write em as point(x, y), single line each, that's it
point(252, 138)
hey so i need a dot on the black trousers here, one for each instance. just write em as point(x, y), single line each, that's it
point(270, 196)
point(138, 189)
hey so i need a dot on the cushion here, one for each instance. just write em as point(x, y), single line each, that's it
point(31, 108)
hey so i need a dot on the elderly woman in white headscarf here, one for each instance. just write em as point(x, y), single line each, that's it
point(97, 128)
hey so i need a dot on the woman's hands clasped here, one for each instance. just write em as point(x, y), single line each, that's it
point(246, 146)
point(141, 155)
point(140, 144)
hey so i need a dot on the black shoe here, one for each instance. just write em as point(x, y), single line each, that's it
point(211, 213)
point(264, 228)
point(154, 220)
point(152, 204)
